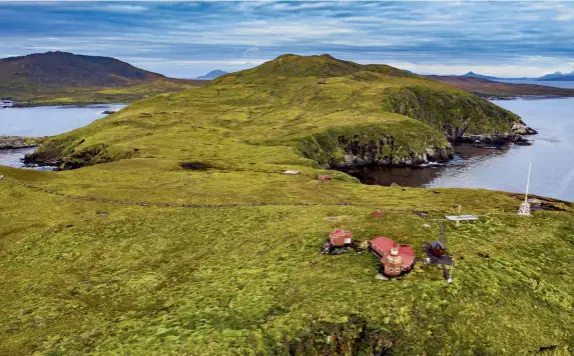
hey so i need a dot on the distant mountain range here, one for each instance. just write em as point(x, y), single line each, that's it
point(70, 78)
point(213, 74)
point(557, 76)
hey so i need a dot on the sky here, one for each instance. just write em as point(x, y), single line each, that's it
point(188, 39)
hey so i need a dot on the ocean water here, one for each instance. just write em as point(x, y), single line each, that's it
point(551, 155)
point(45, 121)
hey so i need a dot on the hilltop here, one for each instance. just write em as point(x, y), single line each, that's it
point(490, 88)
point(60, 77)
point(213, 74)
point(178, 233)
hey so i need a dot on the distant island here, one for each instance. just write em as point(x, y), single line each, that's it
point(66, 78)
point(557, 76)
point(492, 89)
point(213, 74)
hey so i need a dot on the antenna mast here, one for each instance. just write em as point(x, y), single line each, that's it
point(525, 206)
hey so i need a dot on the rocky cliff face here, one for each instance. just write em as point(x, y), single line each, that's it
point(382, 152)
point(360, 146)
point(460, 117)
point(66, 153)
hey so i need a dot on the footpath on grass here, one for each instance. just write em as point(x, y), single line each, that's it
point(342, 201)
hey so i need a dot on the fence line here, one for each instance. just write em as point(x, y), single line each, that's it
point(173, 205)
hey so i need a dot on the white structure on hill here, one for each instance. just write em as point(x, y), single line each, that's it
point(525, 206)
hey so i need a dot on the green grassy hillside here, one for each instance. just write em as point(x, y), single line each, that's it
point(187, 239)
point(332, 112)
point(56, 78)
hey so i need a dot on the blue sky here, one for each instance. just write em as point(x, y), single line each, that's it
point(187, 39)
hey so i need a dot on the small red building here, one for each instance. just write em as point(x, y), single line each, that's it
point(339, 238)
point(395, 258)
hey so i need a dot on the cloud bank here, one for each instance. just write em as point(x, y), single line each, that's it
point(187, 39)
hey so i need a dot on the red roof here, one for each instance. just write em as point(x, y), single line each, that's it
point(383, 245)
point(408, 255)
point(340, 237)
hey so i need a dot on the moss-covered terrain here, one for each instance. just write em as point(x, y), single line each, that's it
point(301, 110)
point(179, 234)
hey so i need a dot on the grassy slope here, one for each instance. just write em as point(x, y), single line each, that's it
point(248, 280)
point(98, 95)
point(274, 117)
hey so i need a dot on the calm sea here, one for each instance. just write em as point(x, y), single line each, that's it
point(551, 154)
point(45, 121)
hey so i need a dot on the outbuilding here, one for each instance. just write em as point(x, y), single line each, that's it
point(340, 238)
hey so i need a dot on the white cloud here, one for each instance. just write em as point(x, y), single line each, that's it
point(302, 5)
point(430, 36)
point(123, 8)
point(565, 16)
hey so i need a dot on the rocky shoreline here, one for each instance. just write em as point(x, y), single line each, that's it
point(15, 142)
point(355, 155)
point(358, 155)
point(516, 136)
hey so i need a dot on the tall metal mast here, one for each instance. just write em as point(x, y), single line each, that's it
point(525, 206)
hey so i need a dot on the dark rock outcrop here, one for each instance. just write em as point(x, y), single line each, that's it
point(365, 147)
point(383, 152)
point(515, 135)
point(520, 128)
point(67, 153)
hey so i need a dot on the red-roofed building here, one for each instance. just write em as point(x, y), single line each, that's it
point(340, 238)
point(383, 246)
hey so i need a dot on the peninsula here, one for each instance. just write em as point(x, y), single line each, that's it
point(173, 228)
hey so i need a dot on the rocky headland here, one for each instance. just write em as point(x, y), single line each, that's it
point(339, 123)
